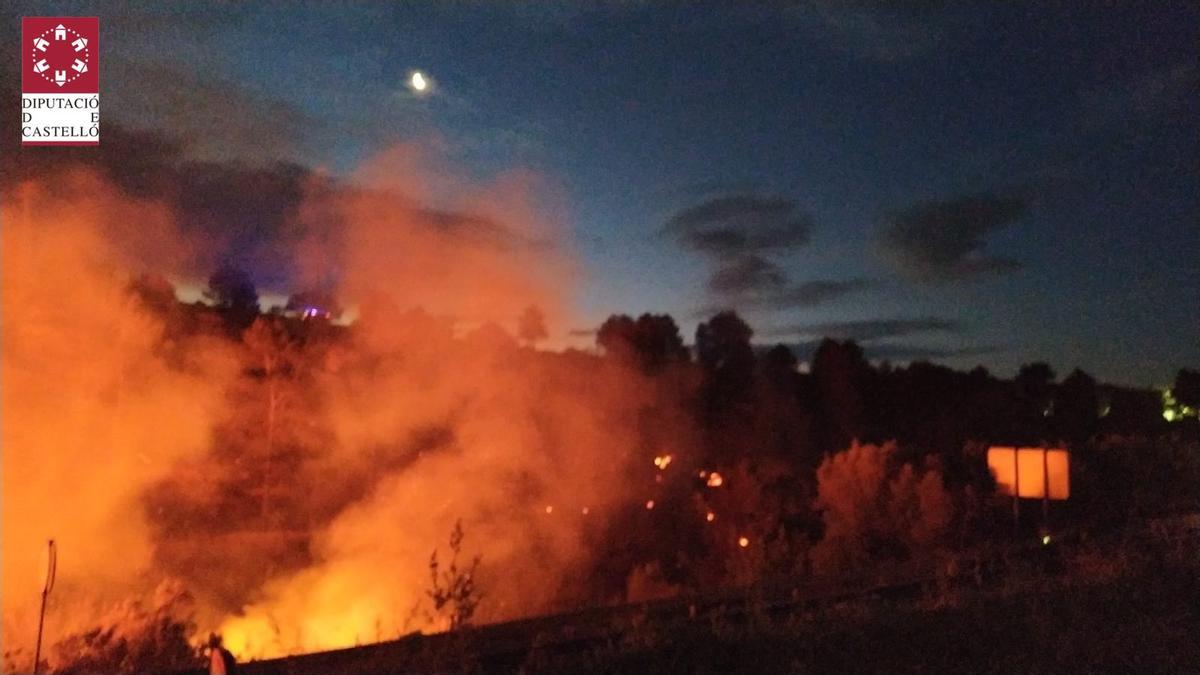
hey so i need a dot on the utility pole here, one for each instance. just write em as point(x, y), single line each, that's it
point(47, 586)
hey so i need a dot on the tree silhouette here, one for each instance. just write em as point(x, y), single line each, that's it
point(650, 342)
point(155, 292)
point(840, 372)
point(1035, 376)
point(723, 343)
point(728, 398)
point(779, 362)
point(232, 292)
point(617, 338)
point(1076, 407)
point(724, 352)
point(1187, 388)
point(1035, 382)
point(276, 355)
point(531, 326)
point(491, 337)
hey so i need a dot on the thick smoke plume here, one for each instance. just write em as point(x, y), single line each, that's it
point(117, 426)
point(529, 452)
point(92, 412)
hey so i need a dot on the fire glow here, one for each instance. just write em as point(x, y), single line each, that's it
point(367, 532)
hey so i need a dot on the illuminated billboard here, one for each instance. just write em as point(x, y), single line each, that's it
point(1032, 473)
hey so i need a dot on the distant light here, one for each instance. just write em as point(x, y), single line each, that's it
point(650, 505)
point(418, 81)
point(715, 480)
point(710, 516)
point(743, 542)
point(549, 509)
point(1169, 415)
point(586, 510)
point(1045, 540)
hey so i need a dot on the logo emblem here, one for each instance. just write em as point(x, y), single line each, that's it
point(60, 55)
point(60, 80)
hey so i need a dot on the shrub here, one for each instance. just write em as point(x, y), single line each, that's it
point(875, 510)
point(453, 592)
point(134, 639)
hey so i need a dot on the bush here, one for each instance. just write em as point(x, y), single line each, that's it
point(875, 510)
point(453, 592)
point(134, 639)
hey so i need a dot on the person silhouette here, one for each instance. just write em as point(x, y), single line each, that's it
point(220, 660)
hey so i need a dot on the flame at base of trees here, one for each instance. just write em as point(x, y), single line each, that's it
point(131, 637)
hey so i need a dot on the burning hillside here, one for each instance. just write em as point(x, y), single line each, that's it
point(294, 479)
point(280, 478)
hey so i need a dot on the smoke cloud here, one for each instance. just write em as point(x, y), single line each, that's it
point(132, 442)
point(93, 414)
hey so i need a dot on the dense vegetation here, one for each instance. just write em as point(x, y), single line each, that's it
point(842, 469)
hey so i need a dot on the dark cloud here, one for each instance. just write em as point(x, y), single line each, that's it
point(943, 241)
point(178, 91)
point(873, 329)
point(735, 225)
point(234, 212)
point(475, 228)
point(220, 119)
point(810, 293)
point(747, 273)
point(788, 296)
point(238, 213)
point(898, 352)
point(736, 231)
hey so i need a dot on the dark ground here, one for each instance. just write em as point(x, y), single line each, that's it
point(1090, 610)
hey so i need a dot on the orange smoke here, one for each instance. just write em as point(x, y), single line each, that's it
point(519, 432)
point(92, 414)
point(426, 417)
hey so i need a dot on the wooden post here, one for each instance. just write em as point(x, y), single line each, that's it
point(1045, 488)
point(47, 585)
point(1016, 492)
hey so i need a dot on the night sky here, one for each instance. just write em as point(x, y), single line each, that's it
point(987, 184)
